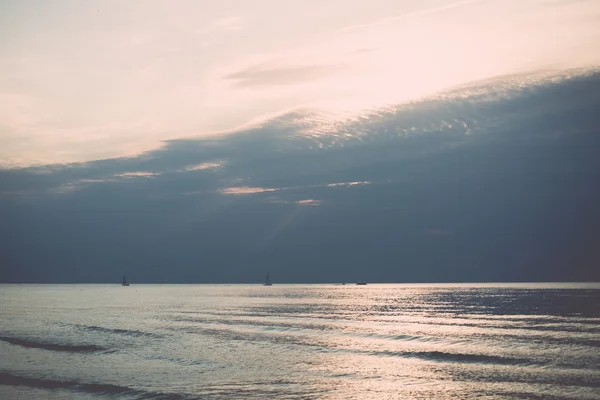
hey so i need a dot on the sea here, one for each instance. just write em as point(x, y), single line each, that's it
point(379, 341)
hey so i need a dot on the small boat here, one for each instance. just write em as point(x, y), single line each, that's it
point(124, 283)
point(267, 281)
point(361, 283)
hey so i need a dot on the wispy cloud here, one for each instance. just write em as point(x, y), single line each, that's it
point(225, 24)
point(202, 166)
point(137, 174)
point(309, 202)
point(346, 184)
point(241, 190)
point(413, 14)
point(281, 75)
point(78, 184)
point(82, 183)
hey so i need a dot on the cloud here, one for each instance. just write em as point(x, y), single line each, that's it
point(225, 24)
point(413, 14)
point(241, 190)
point(82, 183)
point(303, 202)
point(309, 202)
point(346, 184)
point(422, 127)
point(79, 184)
point(281, 75)
point(202, 166)
point(136, 82)
point(137, 174)
point(382, 190)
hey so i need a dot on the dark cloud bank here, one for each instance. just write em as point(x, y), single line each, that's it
point(492, 183)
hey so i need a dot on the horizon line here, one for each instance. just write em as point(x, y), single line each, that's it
point(350, 283)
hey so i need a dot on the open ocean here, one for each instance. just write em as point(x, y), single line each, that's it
point(380, 341)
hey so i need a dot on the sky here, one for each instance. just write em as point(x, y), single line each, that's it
point(493, 182)
point(329, 141)
point(81, 81)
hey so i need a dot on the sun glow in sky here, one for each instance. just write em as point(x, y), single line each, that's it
point(84, 80)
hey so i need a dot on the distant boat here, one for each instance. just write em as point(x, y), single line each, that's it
point(361, 283)
point(267, 281)
point(124, 283)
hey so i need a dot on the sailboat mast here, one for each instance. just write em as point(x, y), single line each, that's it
point(267, 280)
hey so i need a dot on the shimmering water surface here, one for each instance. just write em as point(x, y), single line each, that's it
point(538, 341)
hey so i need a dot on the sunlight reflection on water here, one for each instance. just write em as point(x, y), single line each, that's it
point(300, 341)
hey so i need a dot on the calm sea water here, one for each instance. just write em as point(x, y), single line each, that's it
point(523, 341)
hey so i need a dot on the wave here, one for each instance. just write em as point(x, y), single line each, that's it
point(320, 344)
point(275, 325)
point(270, 325)
point(473, 358)
point(458, 357)
point(255, 389)
point(438, 356)
point(179, 360)
point(127, 332)
point(568, 378)
point(52, 346)
point(558, 326)
point(90, 388)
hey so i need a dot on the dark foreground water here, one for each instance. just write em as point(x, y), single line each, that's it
point(523, 341)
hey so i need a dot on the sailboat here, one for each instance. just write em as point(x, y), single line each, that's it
point(124, 283)
point(267, 281)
